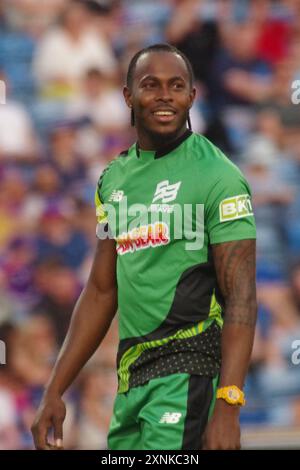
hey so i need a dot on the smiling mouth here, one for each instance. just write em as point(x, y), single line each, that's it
point(164, 116)
point(164, 113)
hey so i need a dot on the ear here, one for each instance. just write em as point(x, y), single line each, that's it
point(127, 96)
point(192, 96)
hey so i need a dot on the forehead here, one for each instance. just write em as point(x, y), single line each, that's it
point(161, 65)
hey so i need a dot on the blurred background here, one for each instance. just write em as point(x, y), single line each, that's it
point(64, 63)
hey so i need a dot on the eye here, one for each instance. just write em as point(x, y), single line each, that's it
point(148, 85)
point(178, 86)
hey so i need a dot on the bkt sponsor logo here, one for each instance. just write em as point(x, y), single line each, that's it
point(235, 207)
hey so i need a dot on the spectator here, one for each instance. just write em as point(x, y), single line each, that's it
point(271, 197)
point(101, 103)
point(14, 191)
point(34, 350)
point(97, 386)
point(278, 378)
point(76, 48)
point(17, 269)
point(32, 16)
point(46, 189)
point(59, 289)
point(57, 238)
point(64, 157)
point(17, 139)
point(196, 34)
point(9, 435)
point(241, 77)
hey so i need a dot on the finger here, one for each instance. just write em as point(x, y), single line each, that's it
point(39, 433)
point(51, 446)
point(58, 432)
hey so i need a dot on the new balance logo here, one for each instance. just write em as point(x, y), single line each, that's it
point(166, 192)
point(116, 196)
point(170, 418)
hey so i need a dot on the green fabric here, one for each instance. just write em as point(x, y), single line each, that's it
point(134, 352)
point(143, 418)
point(148, 275)
point(213, 402)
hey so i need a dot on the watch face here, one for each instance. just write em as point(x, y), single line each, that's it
point(233, 394)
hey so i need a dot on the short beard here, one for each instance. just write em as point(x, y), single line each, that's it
point(161, 140)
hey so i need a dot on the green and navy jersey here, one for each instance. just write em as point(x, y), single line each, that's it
point(165, 209)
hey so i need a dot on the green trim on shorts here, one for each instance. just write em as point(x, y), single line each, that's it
point(133, 353)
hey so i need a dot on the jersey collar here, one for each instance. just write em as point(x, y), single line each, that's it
point(166, 149)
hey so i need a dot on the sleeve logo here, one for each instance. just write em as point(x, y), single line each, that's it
point(235, 207)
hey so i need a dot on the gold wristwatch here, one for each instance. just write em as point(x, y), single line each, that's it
point(232, 395)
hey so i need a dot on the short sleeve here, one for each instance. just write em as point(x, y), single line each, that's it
point(228, 210)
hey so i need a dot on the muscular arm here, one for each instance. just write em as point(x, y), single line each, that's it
point(91, 318)
point(235, 269)
point(90, 321)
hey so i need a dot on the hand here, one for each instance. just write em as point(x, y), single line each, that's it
point(223, 430)
point(247, 85)
point(50, 415)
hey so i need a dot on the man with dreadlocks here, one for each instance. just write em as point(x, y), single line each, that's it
point(187, 310)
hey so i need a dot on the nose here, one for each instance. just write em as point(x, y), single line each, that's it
point(164, 94)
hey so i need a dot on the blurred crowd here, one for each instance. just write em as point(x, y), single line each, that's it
point(64, 63)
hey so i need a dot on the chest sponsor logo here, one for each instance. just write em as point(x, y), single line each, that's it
point(166, 192)
point(235, 207)
point(163, 208)
point(141, 238)
point(116, 196)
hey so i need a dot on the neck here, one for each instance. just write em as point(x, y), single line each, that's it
point(152, 141)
